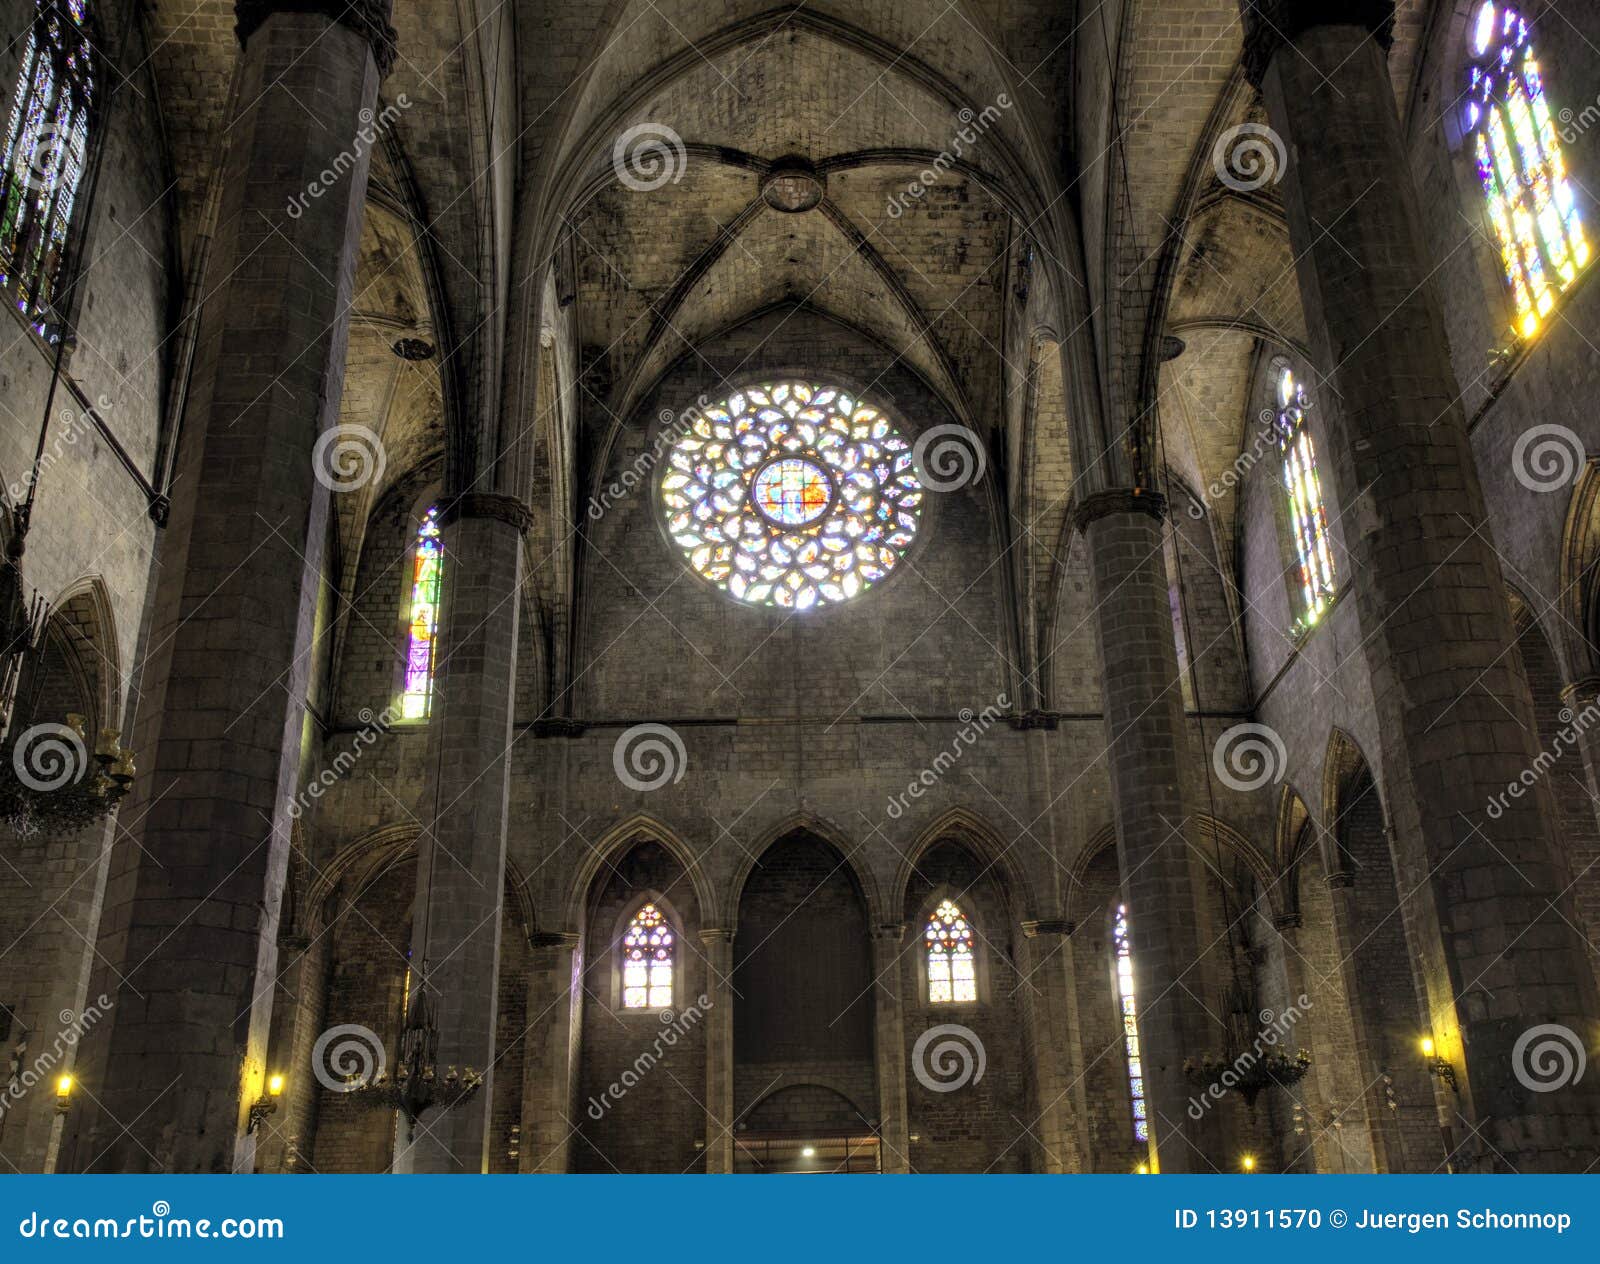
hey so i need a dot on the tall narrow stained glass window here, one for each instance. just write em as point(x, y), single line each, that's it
point(46, 146)
point(647, 959)
point(426, 567)
point(952, 972)
point(1130, 1025)
point(1524, 177)
point(1304, 487)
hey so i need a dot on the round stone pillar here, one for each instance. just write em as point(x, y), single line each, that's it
point(188, 936)
point(1143, 705)
point(1486, 900)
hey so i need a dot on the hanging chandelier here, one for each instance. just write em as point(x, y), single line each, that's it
point(417, 1084)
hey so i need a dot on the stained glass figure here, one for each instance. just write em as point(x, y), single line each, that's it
point(1304, 488)
point(46, 147)
point(952, 974)
point(428, 563)
point(1130, 1026)
point(647, 960)
point(1520, 166)
point(791, 494)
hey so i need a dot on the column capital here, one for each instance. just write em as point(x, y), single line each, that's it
point(1035, 928)
point(1119, 500)
point(367, 18)
point(507, 509)
point(889, 932)
point(1270, 24)
point(555, 939)
point(711, 936)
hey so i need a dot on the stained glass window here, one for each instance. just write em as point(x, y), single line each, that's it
point(791, 494)
point(427, 563)
point(1304, 488)
point(47, 140)
point(951, 966)
point(1524, 177)
point(647, 955)
point(1130, 1025)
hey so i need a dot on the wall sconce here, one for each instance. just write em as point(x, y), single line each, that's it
point(265, 1105)
point(1438, 1066)
point(1247, 1163)
point(63, 1094)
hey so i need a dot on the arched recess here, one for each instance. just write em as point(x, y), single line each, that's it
point(615, 843)
point(51, 879)
point(971, 1128)
point(1327, 1112)
point(345, 962)
point(1375, 961)
point(1579, 602)
point(979, 837)
point(815, 1127)
point(803, 977)
point(1563, 721)
point(641, 1078)
point(851, 860)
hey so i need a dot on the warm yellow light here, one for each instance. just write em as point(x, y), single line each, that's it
point(64, 1086)
point(1427, 1046)
point(1248, 1163)
point(274, 1085)
point(1142, 1170)
point(808, 1153)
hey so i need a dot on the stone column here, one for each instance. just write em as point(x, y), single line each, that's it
point(1580, 699)
point(1496, 945)
point(549, 1073)
point(188, 934)
point(717, 944)
point(461, 858)
point(1144, 717)
point(1043, 961)
point(894, 1130)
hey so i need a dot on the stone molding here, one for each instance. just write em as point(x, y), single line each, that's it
point(1271, 24)
point(507, 509)
point(367, 18)
point(557, 939)
point(1036, 928)
point(1119, 500)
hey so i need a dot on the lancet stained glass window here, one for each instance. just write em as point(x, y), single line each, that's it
point(426, 568)
point(791, 494)
point(647, 959)
point(1304, 487)
point(952, 973)
point(1130, 1025)
point(1524, 176)
point(46, 146)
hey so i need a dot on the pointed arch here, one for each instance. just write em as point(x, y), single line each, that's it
point(878, 914)
point(84, 616)
point(615, 843)
point(973, 831)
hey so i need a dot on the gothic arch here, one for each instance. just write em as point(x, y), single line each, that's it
point(878, 914)
point(978, 836)
point(615, 843)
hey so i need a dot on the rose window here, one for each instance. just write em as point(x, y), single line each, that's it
point(792, 494)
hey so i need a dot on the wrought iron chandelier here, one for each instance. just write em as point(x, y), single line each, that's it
point(417, 1084)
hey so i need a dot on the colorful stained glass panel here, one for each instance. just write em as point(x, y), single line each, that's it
point(647, 961)
point(1130, 1025)
point(427, 564)
point(952, 967)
